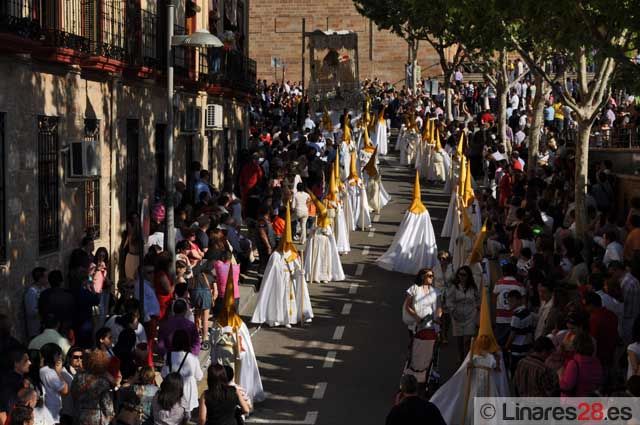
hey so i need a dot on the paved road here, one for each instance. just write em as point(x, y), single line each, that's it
point(344, 368)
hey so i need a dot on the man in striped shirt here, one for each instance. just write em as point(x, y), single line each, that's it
point(500, 300)
point(522, 327)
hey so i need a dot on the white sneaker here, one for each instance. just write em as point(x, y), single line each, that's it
point(288, 326)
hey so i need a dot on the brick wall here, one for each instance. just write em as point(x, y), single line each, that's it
point(276, 30)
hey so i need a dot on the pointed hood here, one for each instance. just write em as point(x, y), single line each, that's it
point(346, 130)
point(412, 123)
point(366, 116)
point(367, 146)
point(426, 130)
point(467, 194)
point(327, 124)
point(417, 207)
point(460, 147)
point(286, 243)
point(228, 316)
point(478, 245)
point(438, 146)
point(485, 342)
point(323, 220)
point(371, 168)
point(354, 177)
point(462, 177)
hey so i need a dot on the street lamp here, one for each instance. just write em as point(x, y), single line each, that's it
point(199, 38)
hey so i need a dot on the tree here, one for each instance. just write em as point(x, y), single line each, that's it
point(415, 21)
point(582, 32)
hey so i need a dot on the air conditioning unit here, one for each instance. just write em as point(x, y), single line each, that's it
point(190, 119)
point(213, 117)
point(83, 159)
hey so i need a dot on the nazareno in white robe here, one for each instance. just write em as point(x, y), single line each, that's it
point(321, 257)
point(341, 228)
point(250, 379)
point(284, 294)
point(409, 147)
point(381, 138)
point(439, 166)
point(401, 137)
point(473, 211)
point(414, 245)
point(484, 381)
point(361, 213)
point(377, 195)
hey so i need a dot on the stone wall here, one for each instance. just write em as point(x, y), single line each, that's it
point(30, 89)
point(276, 30)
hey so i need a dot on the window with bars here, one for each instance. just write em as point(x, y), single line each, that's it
point(48, 185)
point(92, 186)
point(3, 197)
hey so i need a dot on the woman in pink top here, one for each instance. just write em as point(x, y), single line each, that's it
point(582, 375)
point(222, 268)
point(100, 281)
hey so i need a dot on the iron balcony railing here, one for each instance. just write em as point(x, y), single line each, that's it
point(52, 23)
point(143, 30)
point(227, 68)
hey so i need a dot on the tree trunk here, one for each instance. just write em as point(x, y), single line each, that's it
point(413, 47)
point(503, 95)
point(582, 168)
point(448, 97)
point(536, 125)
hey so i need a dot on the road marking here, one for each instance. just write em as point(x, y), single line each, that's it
point(310, 419)
point(359, 269)
point(318, 392)
point(372, 232)
point(337, 335)
point(330, 359)
point(353, 288)
point(376, 218)
point(365, 251)
point(346, 309)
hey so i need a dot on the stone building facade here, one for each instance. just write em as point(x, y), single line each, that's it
point(276, 31)
point(52, 94)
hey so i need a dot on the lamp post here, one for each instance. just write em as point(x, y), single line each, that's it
point(199, 38)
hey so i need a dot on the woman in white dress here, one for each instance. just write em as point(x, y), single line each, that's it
point(181, 360)
point(421, 312)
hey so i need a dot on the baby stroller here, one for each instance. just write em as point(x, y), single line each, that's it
point(422, 359)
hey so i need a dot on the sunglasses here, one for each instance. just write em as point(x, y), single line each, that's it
point(429, 275)
point(76, 357)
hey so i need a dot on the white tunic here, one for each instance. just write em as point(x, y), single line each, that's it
point(381, 138)
point(284, 295)
point(360, 210)
point(341, 231)
point(483, 380)
point(321, 257)
point(414, 245)
point(250, 379)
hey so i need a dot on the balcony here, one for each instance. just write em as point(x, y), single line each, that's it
point(220, 69)
point(117, 36)
point(144, 58)
point(49, 30)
